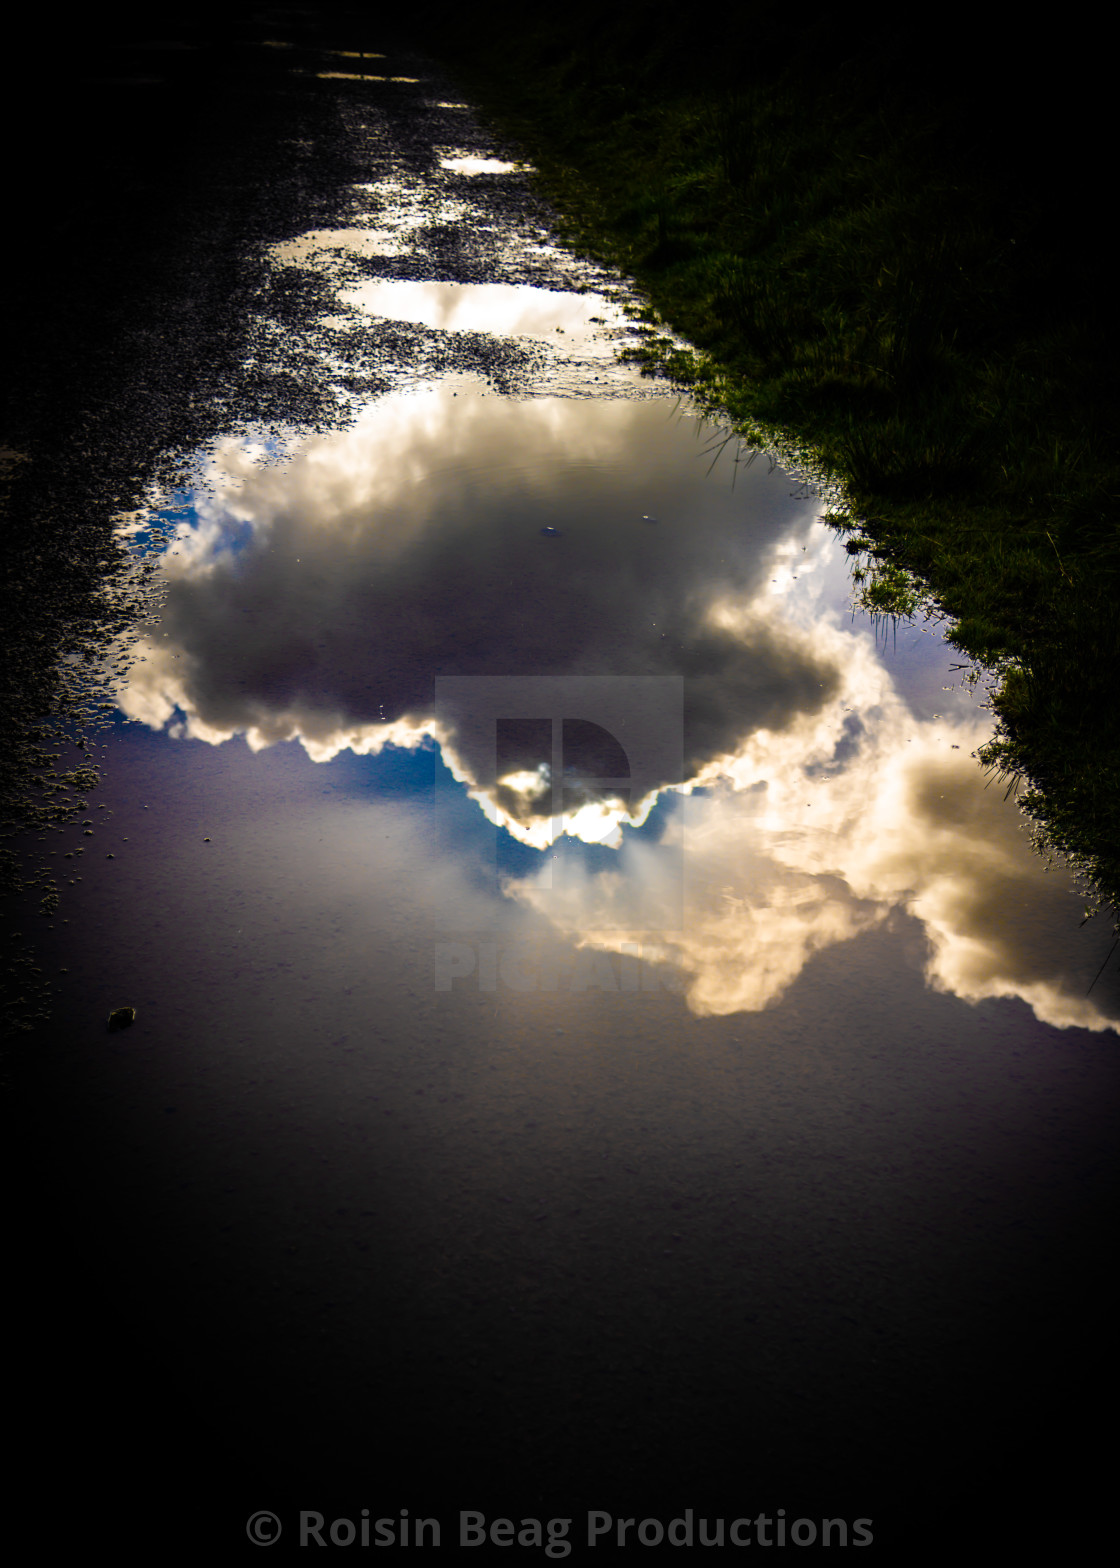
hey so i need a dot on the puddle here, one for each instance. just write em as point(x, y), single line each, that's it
point(823, 782)
point(467, 165)
point(364, 76)
point(307, 248)
point(504, 309)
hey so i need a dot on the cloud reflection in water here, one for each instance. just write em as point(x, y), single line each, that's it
point(321, 600)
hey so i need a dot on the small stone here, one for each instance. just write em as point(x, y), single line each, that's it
point(122, 1018)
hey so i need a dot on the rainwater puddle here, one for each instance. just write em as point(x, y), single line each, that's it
point(468, 165)
point(503, 309)
point(365, 76)
point(814, 789)
point(307, 248)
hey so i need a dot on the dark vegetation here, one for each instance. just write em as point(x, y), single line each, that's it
point(879, 233)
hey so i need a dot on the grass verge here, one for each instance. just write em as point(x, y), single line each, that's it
point(873, 237)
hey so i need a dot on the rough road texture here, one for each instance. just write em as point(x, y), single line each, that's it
point(155, 315)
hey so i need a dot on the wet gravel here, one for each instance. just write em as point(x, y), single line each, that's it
point(155, 316)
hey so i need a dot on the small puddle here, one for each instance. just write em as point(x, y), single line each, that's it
point(503, 309)
point(307, 248)
point(469, 166)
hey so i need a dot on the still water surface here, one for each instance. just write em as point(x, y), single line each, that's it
point(595, 1134)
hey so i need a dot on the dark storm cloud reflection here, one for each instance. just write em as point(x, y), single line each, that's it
point(450, 534)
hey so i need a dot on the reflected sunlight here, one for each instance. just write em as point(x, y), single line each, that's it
point(507, 309)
